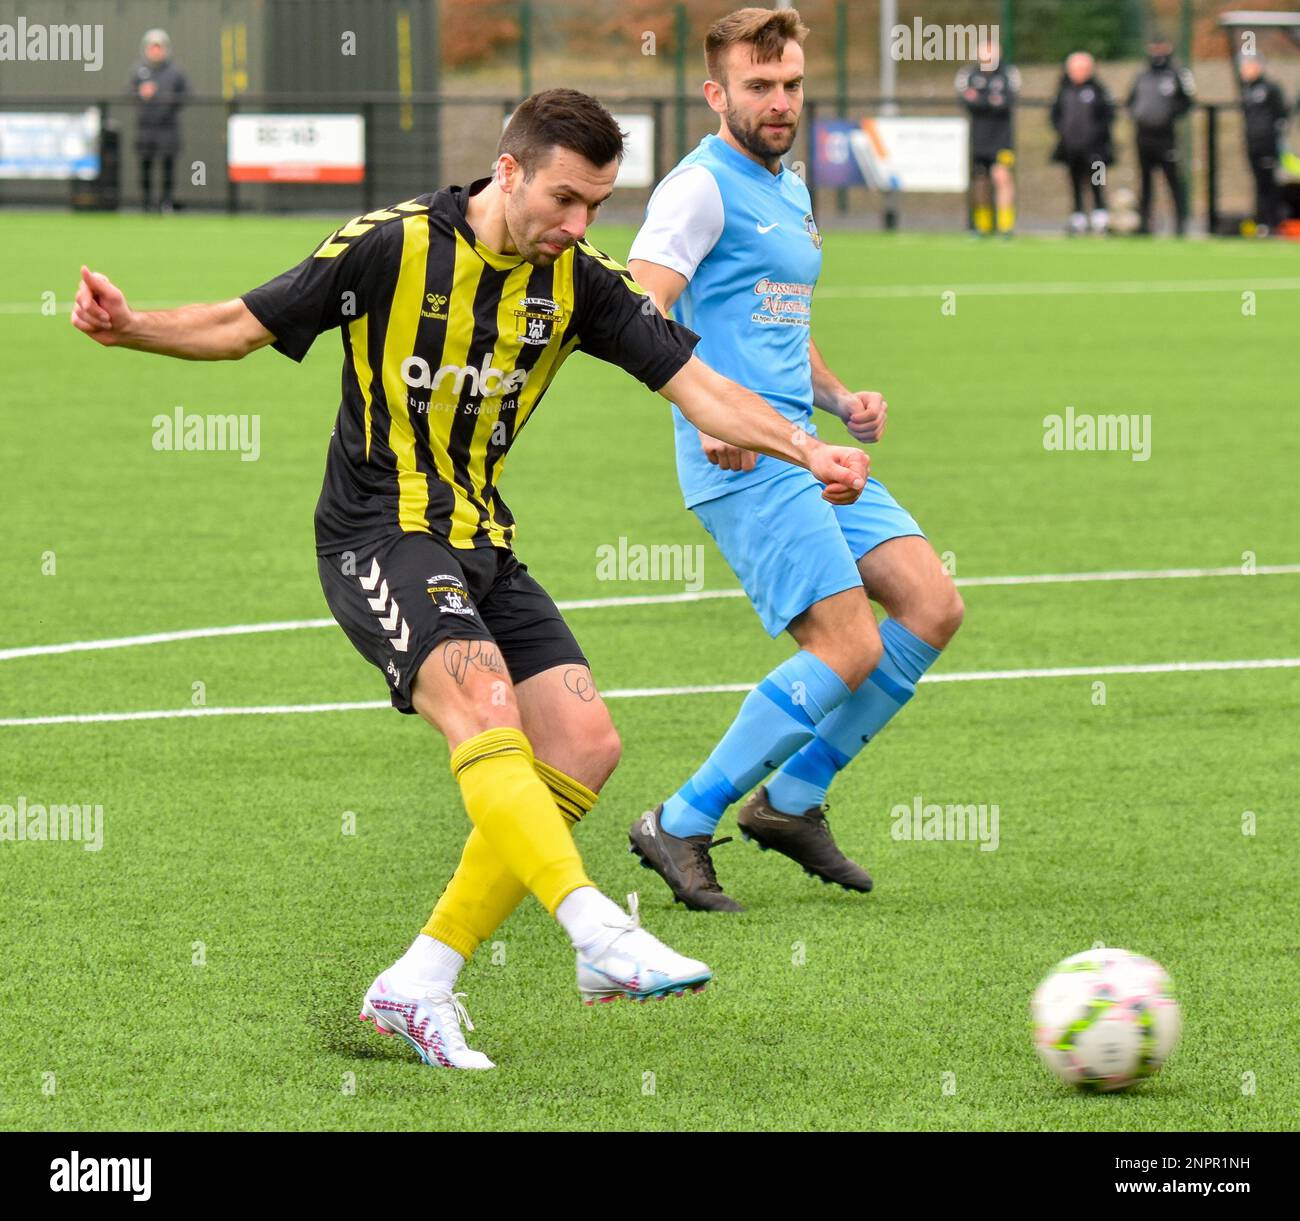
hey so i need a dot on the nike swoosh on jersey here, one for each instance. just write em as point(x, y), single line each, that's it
point(766, 228)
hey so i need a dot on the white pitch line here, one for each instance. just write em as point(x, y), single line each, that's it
point(1013, 289)
point(633, 693)
point(984, 676)
point(171, 714)
point(192, 633)
point(1131, 574)
point(1157, 667)
point(1077, 289)
point(699, 595)
point(291, 625)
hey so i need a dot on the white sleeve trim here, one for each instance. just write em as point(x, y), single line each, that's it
point(683, 221)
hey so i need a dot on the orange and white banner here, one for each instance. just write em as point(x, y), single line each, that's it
point(296, 148)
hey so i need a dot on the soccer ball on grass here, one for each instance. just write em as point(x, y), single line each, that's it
point(1105, 1019)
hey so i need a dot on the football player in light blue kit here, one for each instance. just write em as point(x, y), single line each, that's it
point(729, 244)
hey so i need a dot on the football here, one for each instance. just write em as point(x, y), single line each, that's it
point(1105, 1019)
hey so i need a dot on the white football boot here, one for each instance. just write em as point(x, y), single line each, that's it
point(630, 962)
point(428, 1017)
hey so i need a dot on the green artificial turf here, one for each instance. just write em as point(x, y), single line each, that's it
point(1119, 821)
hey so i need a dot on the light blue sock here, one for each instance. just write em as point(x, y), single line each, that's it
point(801, 784)
point(775, 720)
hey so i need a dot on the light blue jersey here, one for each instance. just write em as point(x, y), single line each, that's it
point(746, 241)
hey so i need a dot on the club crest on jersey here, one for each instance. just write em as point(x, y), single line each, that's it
point(536, 320)
point(810, 225)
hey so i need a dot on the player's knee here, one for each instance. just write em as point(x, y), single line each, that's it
point(863, 652)
point(873, 650)
point(947, 614)
point(608, 751)
point(858, 658)
point(576, 737)
point(936, 619)
point(473, 716)
point(461, 696)
point(598, 750)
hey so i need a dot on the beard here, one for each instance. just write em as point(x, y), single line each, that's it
point(533, 252)
point(527, 241)
point(753, 140)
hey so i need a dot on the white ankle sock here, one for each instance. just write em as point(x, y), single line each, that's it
point(429, 961)
point(586, 914)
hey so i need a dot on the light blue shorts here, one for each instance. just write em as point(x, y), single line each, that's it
point(790, 548)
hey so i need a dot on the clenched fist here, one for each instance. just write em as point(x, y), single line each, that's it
point(865, 413)
point(100, 309)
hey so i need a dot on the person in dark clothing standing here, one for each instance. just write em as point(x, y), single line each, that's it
point(1161, 94)
point(1264, 108)
point(160, 88)
point(1082, 114)
point(989, 90)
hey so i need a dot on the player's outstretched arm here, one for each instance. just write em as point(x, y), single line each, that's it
point(225, 331)
point(664, 286)
point(721, 408)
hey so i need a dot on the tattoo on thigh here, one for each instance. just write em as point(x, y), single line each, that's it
point(579, 682)
point(461, 656)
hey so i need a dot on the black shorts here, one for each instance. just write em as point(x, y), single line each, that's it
point(983, 159)
point(401, 597)
point(1157, 146)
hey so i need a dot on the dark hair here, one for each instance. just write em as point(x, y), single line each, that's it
point(561, 118)
point(765, 30)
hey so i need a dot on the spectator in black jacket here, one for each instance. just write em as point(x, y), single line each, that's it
point(1264, 108)
point(160, 88)
point(1162, 93)
point(989, 90)
point(1082, 114)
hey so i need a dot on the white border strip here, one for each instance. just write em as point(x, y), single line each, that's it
point(1077, 289)
point(294, 625)
point(633, 693)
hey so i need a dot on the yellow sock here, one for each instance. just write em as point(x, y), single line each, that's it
point(483, 891)
point(1006, 219)
point(485, 888)
point(983, 220)
point(573, 798)
point(475, 903)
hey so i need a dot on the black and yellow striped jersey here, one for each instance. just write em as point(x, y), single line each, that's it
point(448, 347)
